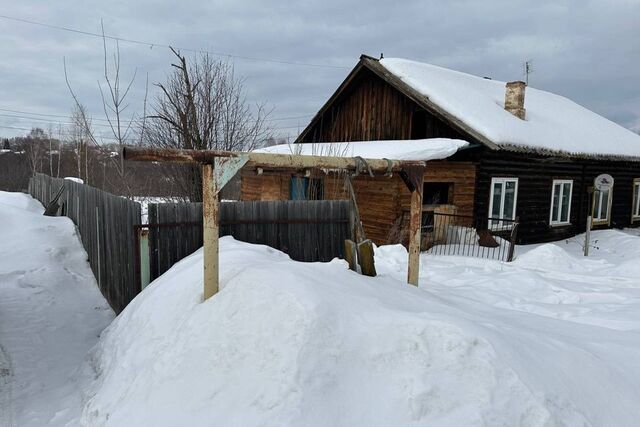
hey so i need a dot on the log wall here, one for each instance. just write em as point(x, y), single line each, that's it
point(535, 179)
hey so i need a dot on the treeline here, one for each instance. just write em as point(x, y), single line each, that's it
point(21, 157)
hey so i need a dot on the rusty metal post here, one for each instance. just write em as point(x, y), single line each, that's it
point(266, 160)
point(413, 177)
point(210, 218)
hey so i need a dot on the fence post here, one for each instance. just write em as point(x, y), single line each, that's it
point(210, 216)
point(514, 233)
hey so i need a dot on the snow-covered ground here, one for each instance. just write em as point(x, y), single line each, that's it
point(552, 339)
point(51, 313)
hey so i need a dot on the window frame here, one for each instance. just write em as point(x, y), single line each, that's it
point(503, 180)
point(559, 222)
point(635, 200)
point(595, 205)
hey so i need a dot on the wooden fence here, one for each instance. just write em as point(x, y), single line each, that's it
point(306, 230)
point(105, 223)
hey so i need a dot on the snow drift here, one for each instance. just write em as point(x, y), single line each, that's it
point(314, 344)
point(416, 149)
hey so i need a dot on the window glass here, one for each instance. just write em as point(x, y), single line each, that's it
point(561, 201)
point(566, 202)
point(636, 198)
point(497, 198)
point(509, 199)
point(503, 201)
point(604, 204)
point(555, 203)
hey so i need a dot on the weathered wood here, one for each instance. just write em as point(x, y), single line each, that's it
point(284, 225)
point(381, 200)
point(414, 178)
point(350, 254)
point(210, 219)
point(366, 258)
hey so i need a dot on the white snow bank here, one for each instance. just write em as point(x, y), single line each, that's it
point(552, 121)
point(74, 179)
point(51, 313)
point(19, 201)
point(482, 343)
point(418, 149)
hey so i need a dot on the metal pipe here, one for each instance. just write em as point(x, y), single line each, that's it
point(265, 160)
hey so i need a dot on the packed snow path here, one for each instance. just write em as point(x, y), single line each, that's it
point(51, 314)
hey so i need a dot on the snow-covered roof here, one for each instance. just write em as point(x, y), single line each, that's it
point(552, 123)
point(417, 149)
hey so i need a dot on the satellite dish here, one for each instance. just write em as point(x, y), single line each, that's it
point(603, 182)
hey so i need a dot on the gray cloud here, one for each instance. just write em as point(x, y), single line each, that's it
point(586, 50)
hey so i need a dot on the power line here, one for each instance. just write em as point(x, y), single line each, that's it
point(60, 123)
point(105, 120)
point(54, 134)
point(152, 45)
point(55, 122)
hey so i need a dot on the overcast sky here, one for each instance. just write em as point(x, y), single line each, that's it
point(586, 50)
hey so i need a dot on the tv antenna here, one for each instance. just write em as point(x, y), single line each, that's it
point(528, 69)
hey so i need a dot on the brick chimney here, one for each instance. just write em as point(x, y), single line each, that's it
point(514, 99)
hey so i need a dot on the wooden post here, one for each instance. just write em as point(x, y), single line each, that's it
point(210, 215)
point(413, 177)
point(366, 258)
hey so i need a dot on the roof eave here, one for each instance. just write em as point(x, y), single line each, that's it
point(548, 152)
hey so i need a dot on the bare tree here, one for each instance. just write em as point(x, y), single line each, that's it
point(35, 147)
point(203, 106)
point(80, 134)
point(114, 102)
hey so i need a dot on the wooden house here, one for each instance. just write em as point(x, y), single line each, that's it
point(531, 154)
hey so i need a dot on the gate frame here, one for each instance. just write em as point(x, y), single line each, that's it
point(218, 167)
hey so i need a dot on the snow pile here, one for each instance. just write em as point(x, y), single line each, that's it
point(552, 122)
point(482, 343)
point(51, 313)
point(74, 179)
point(418, 149)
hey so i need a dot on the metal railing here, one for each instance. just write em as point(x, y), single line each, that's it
point(452, 234)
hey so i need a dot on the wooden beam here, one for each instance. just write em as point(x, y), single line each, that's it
point(414, 179)
point(210, 218)
point(267, 160)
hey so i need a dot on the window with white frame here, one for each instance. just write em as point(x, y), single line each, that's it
point(602, 204)
point(503, 199)
point(561, 201)
point(635, 212)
